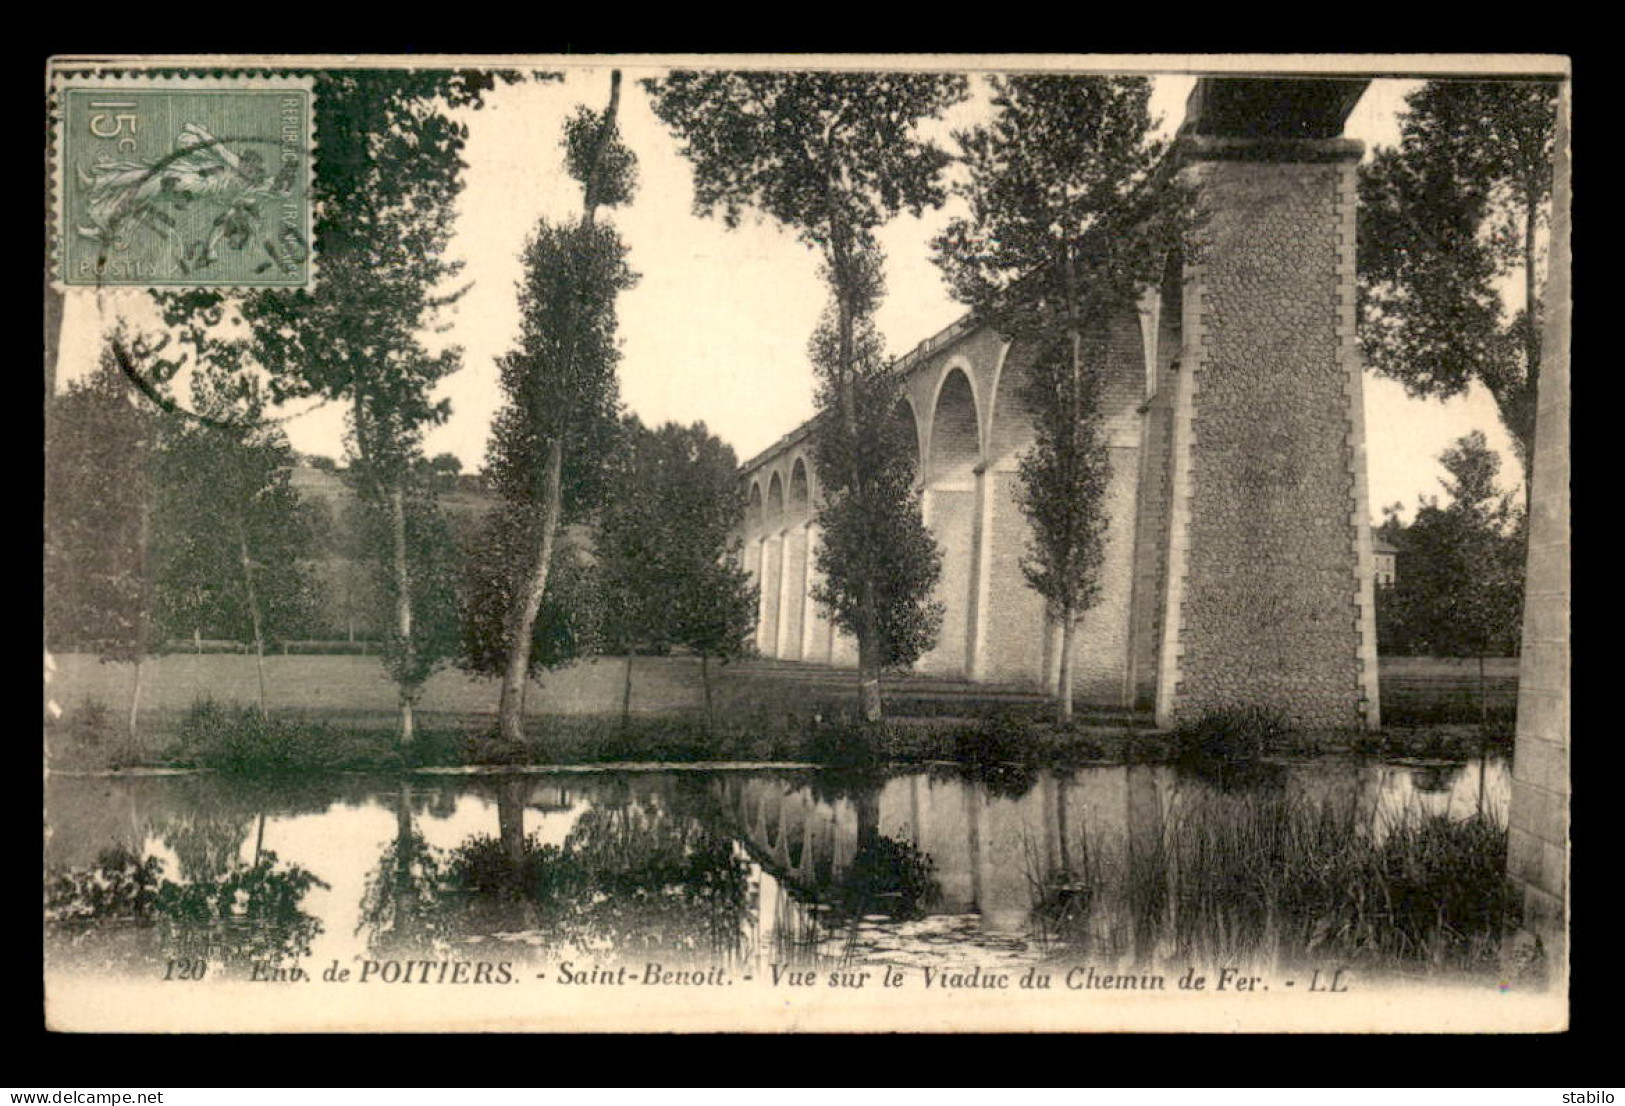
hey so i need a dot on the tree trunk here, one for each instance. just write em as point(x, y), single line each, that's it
point(626, 693)
point(1069, 461)
point(403, 613)
point(529, 602)
point(869, 658)
point(705, 682)
point(1531, 333)
point(511, 797)
point(253, 614)
point(1068, 626)
point(135, 696)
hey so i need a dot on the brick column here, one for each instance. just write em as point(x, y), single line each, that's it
point(1537, 834)
point(1269, 591)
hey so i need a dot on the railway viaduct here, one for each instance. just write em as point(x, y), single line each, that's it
point(1238, 565)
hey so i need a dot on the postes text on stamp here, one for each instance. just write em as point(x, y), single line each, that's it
point(183, 182)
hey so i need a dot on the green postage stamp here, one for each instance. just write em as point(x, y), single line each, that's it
point(183, 182)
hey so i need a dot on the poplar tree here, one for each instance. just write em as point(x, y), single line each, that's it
point(832, 157)
point(231, 535)
point(554, 433)
point(1070, 223)
point(386, 179)
point(100, 586)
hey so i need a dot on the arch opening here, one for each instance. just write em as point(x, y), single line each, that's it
point(800, 497)
point(954, 457)
point(955, 431)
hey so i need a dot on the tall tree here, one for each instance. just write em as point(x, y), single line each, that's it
point(877, 561)
point(386, 180)
point(1069, 224)
point(558, 421)
point(1451, 218)
point(1459, 588)
point(99, 571)
point(231, 535)
point(667, 547)
point(831, 156)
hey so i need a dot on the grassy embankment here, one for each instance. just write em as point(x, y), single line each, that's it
point(339, 712)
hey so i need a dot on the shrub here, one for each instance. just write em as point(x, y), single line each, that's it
point(237, 739)
point(1232, 734)
point(846, 746)
point(1001, 754)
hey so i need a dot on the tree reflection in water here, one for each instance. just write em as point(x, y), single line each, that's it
point(886, 878)
point(122, 912)
point(400, 906)
point(641, 871)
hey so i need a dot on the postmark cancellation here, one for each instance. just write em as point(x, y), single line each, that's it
point(186, 181)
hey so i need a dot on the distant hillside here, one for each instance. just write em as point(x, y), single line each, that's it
point(351, 610)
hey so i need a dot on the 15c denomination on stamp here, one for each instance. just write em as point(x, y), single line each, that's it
point(183, 182)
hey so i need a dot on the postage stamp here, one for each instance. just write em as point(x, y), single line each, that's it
point(845, 543)
point(184, 181)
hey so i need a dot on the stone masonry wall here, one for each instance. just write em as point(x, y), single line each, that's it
point(1271, 611)
point(1538, 822)
point(1156, 484)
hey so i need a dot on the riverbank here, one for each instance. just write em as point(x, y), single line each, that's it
point(338, 713)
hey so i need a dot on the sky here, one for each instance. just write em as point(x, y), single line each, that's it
point(716, 328)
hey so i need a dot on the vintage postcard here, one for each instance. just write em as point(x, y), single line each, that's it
point(804, 543)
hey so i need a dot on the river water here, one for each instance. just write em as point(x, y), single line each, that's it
point(577, 872)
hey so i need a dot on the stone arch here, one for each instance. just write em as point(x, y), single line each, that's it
point(1010, 422)
point(955, 441)
point(775, 501)
point(952, 508)
point(903, 414)
point(800, 489)
point(753, 508)
point(772, 577)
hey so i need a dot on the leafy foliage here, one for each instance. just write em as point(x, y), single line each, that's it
point(1460, 578)
point(823, 154)
point(250, 914)
point(872, 531)
point(832, 156)
point(1447, 218)
point(231, 535)
point(99, 574)
point(1069, 223)
point(1064, 476)
point(567, 626)
point(667, 553)
point(558, 423)
point(560, 383)
point(1069, 218)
